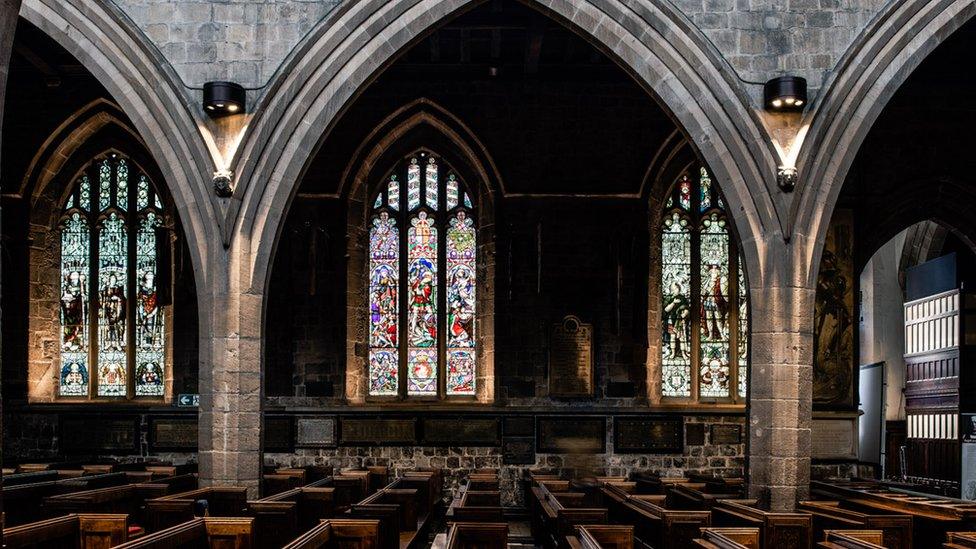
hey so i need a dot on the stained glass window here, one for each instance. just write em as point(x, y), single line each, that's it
point(109, 286)
point(434, 317)
point(704, 334)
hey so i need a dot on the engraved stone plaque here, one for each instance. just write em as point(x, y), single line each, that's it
point(833, 439)
point(647, 435)
point(174, 434)
point(378, 432)
point(315, 432)
point(695, 434)
point(278, 434)
point(571, 359)
point(518, 451)
point(96, 434)
point(571, 435)
point(723, 433)
point(461, 431)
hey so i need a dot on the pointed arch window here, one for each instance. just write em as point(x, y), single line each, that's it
point(422, 283)
point(112, 335)
point(704, 302)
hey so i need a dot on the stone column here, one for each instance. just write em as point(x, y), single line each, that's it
point(231, 392)
point(780, 382)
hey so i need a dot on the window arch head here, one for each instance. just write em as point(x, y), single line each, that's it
point(422, 331)
point(704, 299)
point(112, 336)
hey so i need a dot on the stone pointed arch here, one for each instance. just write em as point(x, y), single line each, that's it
point(145, 87)
point(651, 40)
point(878, 63)
point(463, 150)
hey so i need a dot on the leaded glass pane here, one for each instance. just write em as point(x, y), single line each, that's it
point(714, 367)
point(743, 334)
point(393, 193)
point(84, 194)
point(684, 193)
point(432, 186)
point(112, 303)
point(150, 345)
point(461, 246)
point(413, 185)
point(706, 190)
point(122, 185)
point(467, 201)
point(379, 201)
point(384, 269)
point(142, 194)
point(104, 185)
point(422, 306)
point(75, 262)
point(676, 312)
point(452, 192)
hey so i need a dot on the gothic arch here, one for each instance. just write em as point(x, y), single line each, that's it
point(876, 66)
point(652, 41)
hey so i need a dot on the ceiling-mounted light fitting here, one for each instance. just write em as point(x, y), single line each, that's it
point(786, 93)
point(223, 98)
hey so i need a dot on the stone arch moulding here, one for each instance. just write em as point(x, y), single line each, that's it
point(652, 41)
point(451, 139)
point(876, 66)
point(142, 82)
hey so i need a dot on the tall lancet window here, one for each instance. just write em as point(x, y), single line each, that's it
point(704, 320)
point(422, 283)
point(112, 322)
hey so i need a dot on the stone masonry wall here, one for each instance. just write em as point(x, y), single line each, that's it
point(724, 460)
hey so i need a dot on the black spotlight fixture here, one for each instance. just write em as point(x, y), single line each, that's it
point(786, 93)
point(223, 98)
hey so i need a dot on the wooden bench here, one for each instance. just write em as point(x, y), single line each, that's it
point(483, 482)
point(555, 515)
point(340, 534)
point(777, 530)
point(466, 535)
point(312, 504)
point(23, 503)
point(280, 518)
point(960, 540)
point(654, 524)
point(830, 515)
point(602, 537)
point(729, 538)
point(475, 507)
point(211, 532)
point(225, 501)
point(852, 539)
point(652, 483)
point(81, 531)
point(398, 511)
point(698, 496)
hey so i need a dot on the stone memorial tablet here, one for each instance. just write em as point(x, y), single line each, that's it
point(377, 432)
point(833, 439)
point(173, 434)
point(695, 434)
point(460, 432)
point(519, 426)
point(571, 435)
point(278, 434)
point(647, 435)
point(571, 359)
point(315, 432)
point(97, 434)
point(518, 451)
point(723, 433)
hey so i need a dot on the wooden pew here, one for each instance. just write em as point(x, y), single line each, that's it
point(282, 517)
point(777, 530)
point(829, 515)
point(483, 482)
point(595, 536)
point(340, 534)
point(23, 503)
point(276, 483)
point(312, 504)
point(852, 539)
point(210, 532)
point(397, 511)
point(654, 524)
point(699, 496)
point(556, 514)
point(466, 535)
point(225, 501)
point(351, 487)
point(81, 531)
point(729, 538)
point(960, 540)
point(477, 507)
point(653, 483)
point(129, 499)
point(18, 479)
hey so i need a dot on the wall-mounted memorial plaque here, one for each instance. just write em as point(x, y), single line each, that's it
point(460, 431)
point(518, 451)
point(725, 433)
point(278, 434)
point(173, 434)
point(833, 438)
point(695, 434)
point(377, 432)
point(315, 432)
point(519, 426)
point(647, 435)
point(571, 359)
point(571, 435)
point(98, 434)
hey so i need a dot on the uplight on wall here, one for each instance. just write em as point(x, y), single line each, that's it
point(223, 98)
point(786, 93)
